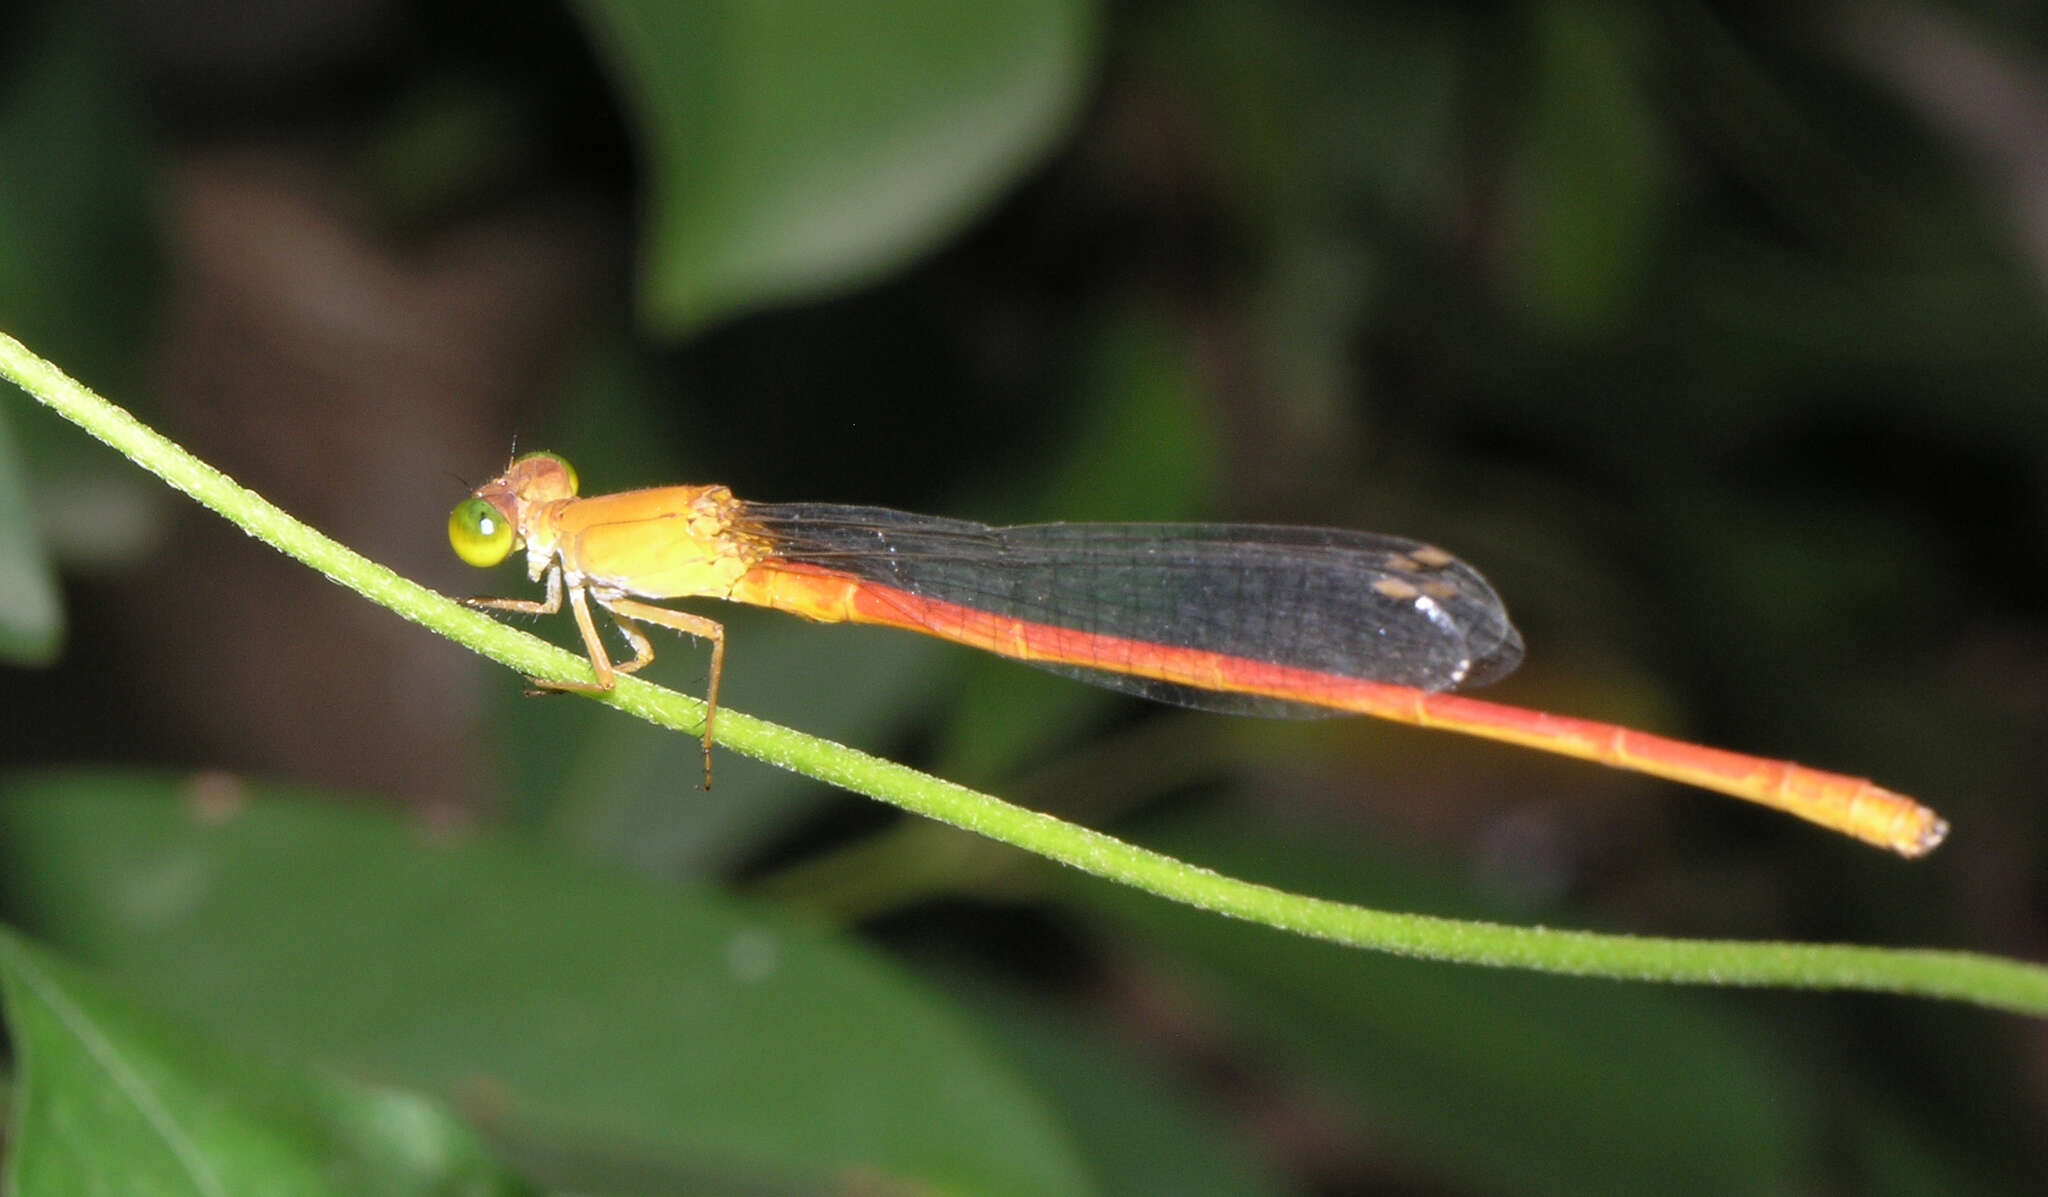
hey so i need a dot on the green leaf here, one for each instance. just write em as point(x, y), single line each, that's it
point(1144, 1135)
point(596, 1021)
point(1503, 1082)
point(78, 264)
point(114, 1098)
point(31, 617)
point(801, 148)
point(79, 255)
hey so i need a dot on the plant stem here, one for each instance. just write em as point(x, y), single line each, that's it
point(1963, 976)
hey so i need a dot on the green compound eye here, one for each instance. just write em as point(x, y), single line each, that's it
point(558, 460)
point(479, 534)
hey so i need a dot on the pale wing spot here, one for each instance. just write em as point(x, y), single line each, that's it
point(1433, 557)
point(1396, 589)
point(1442, 619)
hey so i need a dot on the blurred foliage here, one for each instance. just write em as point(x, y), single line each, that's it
point(475, 971)
point(798, 148)
point(1713, 334)
point(31, 621)
point(127, 1102)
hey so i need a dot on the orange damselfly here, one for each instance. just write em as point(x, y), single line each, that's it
point(1247, 619)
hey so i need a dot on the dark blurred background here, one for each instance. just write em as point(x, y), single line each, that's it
point(1712, 333)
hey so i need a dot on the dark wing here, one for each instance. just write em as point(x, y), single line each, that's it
point(1352, 604)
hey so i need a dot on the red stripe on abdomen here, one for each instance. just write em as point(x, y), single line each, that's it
point(1848, 804)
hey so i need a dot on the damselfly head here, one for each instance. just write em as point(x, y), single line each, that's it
point(485, 528)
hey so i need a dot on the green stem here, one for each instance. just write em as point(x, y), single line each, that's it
point(1963, 976)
